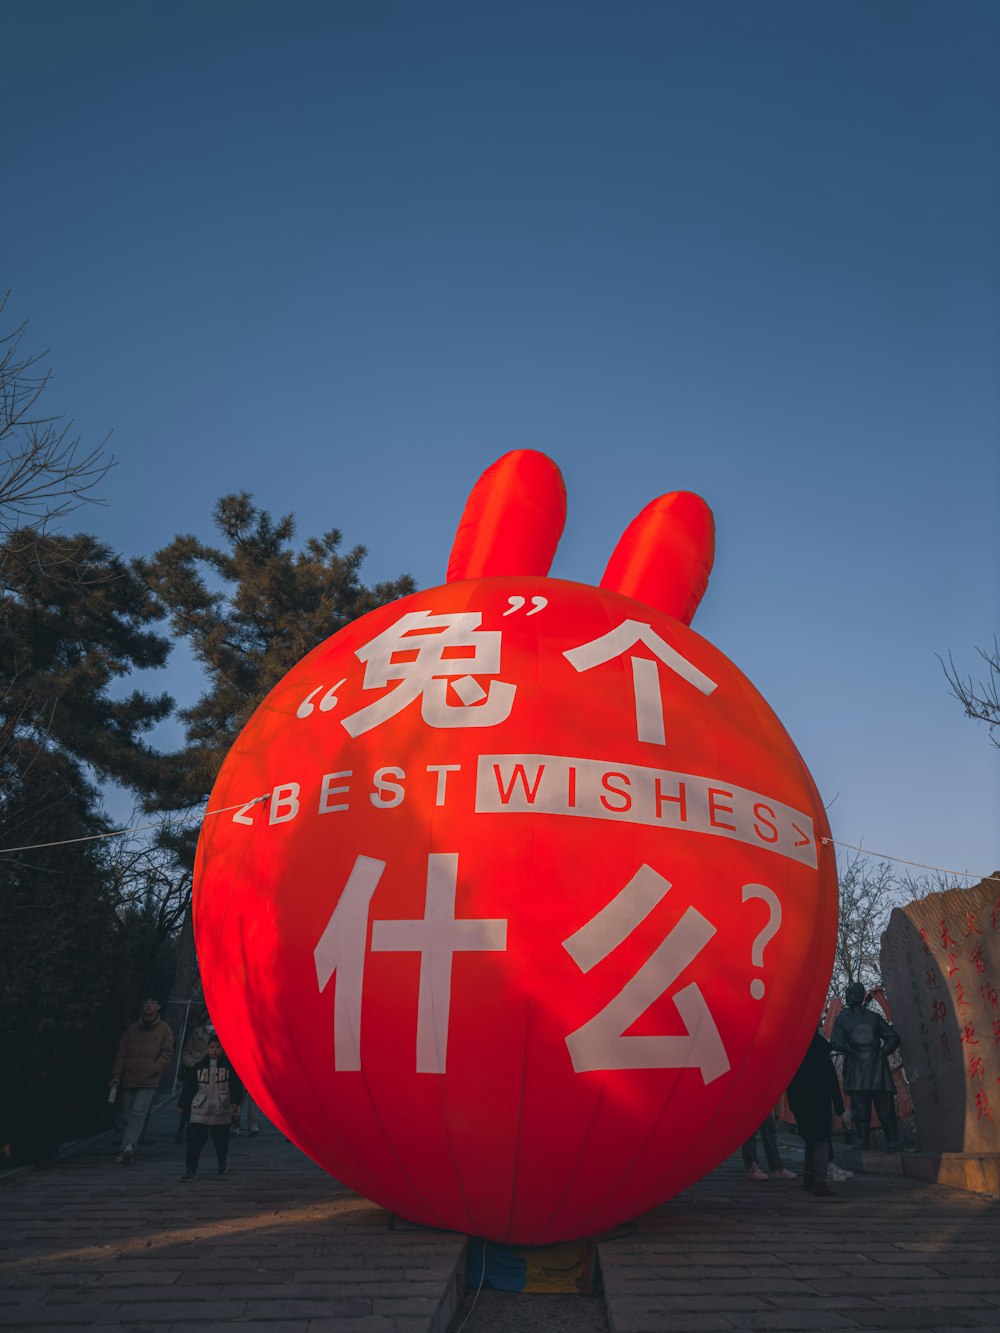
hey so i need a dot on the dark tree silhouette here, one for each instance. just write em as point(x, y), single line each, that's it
point(73, 619)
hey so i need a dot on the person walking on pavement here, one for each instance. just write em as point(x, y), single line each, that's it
point(144, 1054)
point(813, 1095)
point(775, 1166)
point(212, 1093)
point(865, 1039)
point(193, 1052)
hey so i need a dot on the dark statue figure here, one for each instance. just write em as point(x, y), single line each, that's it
point(866, 1040)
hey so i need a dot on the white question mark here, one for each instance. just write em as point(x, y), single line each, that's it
point(764, 936)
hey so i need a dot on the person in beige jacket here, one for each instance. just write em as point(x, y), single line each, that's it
point(144, 1054)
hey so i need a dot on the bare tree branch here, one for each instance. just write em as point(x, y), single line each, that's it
point(869, 890)
point(980, 699)
point(44, 472)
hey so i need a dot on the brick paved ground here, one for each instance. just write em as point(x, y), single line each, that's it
point(886, 1253)
point(277, 1245)
point(280, 1247)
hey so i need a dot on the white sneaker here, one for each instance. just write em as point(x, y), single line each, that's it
point(835, 1172)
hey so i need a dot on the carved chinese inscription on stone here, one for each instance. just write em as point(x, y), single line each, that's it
point(941, 967)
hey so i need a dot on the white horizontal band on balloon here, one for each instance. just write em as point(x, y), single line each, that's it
point(634, 794)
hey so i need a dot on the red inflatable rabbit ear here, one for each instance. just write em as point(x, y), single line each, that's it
point(512, 520)
point(665, 555)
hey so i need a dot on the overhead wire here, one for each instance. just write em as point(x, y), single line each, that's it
point(135, 828)
point(258, 800)
point(884, 856)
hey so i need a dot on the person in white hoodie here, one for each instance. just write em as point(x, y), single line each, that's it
point(212, 1092)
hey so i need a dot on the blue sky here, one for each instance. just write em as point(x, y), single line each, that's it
point(344, 255)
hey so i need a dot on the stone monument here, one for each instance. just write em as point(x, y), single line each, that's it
point(941, 968)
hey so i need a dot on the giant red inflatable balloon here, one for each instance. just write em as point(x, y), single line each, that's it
point(536, 919)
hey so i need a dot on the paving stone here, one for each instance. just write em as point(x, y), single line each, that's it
point(21, 1327)
point(315, 1293)
point(169, 1312)
point(369, 1324)
point(131, 1295)
point(147, 1276)
point(954, 1299)
point(244, 1326)
point(888, 1277)
point(802, 1321)
point(410, 1305)
point(401, 1290)
point(39, 1315)
point(638, 1286)
point(844, 1301)
point(130, 1328)
point(347, 1307)
point(883, 1320)
point(383, 1273)
point(710, 1303)
point(652, 1321)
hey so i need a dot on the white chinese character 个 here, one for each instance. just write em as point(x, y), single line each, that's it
point(413, 652)
point(645, 672)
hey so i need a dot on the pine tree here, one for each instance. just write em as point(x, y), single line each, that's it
point(249, 610)
point(74, 618)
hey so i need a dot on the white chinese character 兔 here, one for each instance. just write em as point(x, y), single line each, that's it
point(427, 675)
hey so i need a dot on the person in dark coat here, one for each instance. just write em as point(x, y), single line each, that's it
point(865, 1040)
point(813, 1095)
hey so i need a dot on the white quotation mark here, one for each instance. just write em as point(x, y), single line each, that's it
point(326, 704)
point(537, 604)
